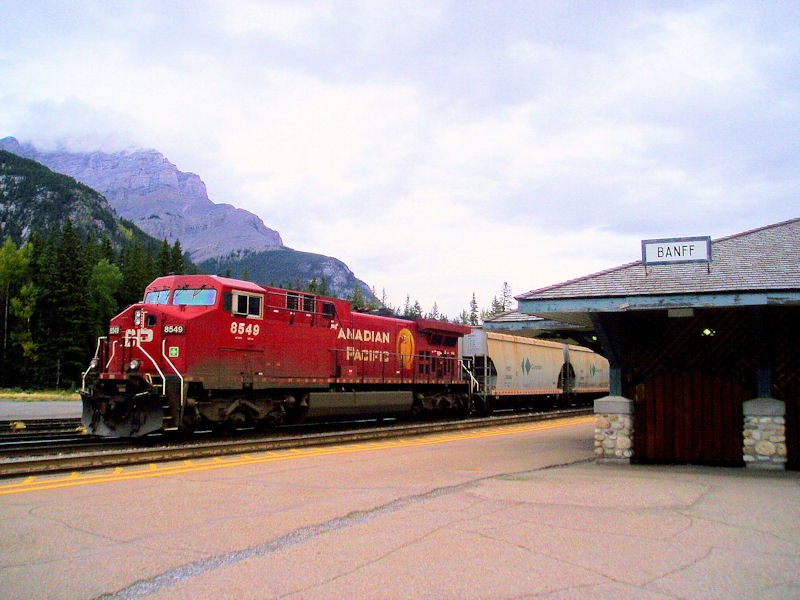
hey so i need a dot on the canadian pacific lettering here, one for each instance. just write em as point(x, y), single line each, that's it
point(364, 335)
point(367, 355)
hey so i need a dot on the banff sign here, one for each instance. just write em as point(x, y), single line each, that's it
point(677, 250)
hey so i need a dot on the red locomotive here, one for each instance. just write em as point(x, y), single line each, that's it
point(205, 351)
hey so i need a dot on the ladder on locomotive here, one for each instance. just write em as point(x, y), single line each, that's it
point(476, 378)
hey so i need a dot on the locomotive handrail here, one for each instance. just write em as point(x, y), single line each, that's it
point(113, 353)
point(474, 383)
point(164, 379)
point(92, 363)
point(155, 364)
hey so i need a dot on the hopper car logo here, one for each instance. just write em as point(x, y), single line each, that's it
point(526, 366)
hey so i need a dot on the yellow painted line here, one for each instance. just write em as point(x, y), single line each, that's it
point(38, 483)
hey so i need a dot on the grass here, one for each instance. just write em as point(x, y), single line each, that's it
point(19, 395)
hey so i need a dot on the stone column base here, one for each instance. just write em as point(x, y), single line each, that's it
point(613, 430)
point(764, 434)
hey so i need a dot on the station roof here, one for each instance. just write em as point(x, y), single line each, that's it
point(757, 267)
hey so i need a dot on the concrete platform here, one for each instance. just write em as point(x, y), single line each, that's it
point(503, 513)
point(46, 409)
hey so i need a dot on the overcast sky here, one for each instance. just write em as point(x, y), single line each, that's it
point(438, 148)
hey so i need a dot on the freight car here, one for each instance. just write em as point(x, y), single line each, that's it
point(512, 371)
point(205, 351)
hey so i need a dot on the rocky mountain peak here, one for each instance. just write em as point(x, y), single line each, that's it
point(144, 187)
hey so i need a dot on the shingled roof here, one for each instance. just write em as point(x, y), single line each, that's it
point(760, 266)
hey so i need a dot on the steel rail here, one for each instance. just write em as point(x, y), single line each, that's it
point(132, 456)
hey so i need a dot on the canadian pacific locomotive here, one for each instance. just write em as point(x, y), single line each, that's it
point(207, 351)
point(203, 351)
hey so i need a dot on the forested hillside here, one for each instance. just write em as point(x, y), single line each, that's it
point(67, 264)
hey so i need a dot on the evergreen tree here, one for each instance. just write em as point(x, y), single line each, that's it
point(407, 312)
point(14, 277)
point(104, 283)
point(23, 308)
point(63, 312)
point(177, 263)
point(474, 314)
point(506, 297)
point(136, 275)
point(107, 250)
point(164, 259)
point(357, 298)
point(434, 314)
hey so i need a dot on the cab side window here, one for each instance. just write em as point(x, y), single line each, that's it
point(245, 304)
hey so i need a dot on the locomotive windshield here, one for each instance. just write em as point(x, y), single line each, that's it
point(157, 297)
point(195, 297)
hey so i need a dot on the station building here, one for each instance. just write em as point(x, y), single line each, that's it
point(703, 345)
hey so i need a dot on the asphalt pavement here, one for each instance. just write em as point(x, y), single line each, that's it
point(500, 513)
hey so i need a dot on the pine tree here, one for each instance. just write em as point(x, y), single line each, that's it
point(64, 312)
point(164, 259)
point(506, 297)
point(434, 314)
point(357, 299)
point(474, 314)
point(135, 275)
point(177, 264)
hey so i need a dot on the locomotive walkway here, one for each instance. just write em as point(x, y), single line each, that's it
point(504, 513)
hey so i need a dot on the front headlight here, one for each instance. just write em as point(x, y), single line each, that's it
point(133, 365)
point(137, 317)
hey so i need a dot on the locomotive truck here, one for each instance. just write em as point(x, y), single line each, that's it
point(206, 351)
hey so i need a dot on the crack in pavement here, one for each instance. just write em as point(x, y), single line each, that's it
point(301, 535)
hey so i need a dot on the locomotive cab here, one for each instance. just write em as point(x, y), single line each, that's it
point(135, 382)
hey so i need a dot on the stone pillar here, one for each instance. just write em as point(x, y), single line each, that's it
point(764, 435)
point(613, 429)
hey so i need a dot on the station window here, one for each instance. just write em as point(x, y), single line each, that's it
point(244, 304)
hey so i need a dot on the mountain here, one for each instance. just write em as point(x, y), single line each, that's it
point(149, 191)
point(285, 267)
point(34, 197)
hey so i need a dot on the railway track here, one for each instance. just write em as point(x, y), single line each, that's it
point(92, 454)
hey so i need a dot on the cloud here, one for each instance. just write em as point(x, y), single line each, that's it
point(438, 148)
